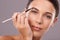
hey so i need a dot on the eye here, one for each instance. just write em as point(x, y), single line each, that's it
point(33, 11)
point(48, 16)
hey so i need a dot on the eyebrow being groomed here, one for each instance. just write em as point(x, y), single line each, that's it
point(31, 9)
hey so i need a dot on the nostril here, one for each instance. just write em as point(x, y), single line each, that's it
point(39, 23)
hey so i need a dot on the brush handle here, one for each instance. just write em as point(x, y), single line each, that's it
point(6, 20)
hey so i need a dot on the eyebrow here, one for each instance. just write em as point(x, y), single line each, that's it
point(32, 8)
point(38, 10)
point(49, 13)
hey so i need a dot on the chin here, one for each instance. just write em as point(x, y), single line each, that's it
point(37, 34)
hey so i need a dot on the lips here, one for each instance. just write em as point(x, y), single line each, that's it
point(36, 28)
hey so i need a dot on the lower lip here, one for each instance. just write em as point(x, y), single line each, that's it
point(35, 28)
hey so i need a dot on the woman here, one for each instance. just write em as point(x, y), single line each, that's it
point(42, 15)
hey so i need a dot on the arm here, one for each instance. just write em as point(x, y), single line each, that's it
point(16, 37)
point(6, 38)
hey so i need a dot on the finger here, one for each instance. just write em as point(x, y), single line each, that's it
point(23, 19)
point(19, 17)
point(14, 17)
point(26, 22)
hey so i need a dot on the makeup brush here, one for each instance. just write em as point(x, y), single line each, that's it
point(11, 18)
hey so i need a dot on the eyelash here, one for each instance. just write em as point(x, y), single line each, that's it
point(49, 17)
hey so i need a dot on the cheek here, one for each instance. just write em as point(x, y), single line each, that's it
point(32, 19)
point(47, 24)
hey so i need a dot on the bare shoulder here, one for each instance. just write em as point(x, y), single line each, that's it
point(15, 37)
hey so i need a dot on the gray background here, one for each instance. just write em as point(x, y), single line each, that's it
point(8, 7)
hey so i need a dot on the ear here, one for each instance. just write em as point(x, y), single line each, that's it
point(55, 20)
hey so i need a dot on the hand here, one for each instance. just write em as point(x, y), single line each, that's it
point(20, 21)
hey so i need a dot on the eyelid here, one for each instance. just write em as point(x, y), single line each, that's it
point(47, 15)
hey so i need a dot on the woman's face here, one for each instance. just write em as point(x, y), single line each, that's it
point(41, 17)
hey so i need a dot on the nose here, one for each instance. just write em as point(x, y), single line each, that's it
point(39, 20)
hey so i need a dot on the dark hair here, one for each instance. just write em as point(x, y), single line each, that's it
point(54, 2)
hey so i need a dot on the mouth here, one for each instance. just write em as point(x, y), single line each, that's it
point(36, 28)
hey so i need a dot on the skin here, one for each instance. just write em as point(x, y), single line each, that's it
point(41, 16)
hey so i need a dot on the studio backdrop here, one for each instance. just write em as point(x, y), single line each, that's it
point(8, 7)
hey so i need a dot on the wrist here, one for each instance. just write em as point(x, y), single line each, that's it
point(27, 38)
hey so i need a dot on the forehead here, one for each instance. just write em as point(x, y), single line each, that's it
point(42, 5)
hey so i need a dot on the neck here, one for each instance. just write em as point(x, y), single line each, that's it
point(36, 38)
